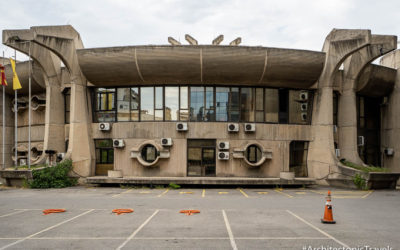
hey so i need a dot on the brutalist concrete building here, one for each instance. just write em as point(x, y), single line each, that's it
point(206, 113)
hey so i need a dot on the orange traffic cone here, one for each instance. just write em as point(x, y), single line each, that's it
point(328, 215)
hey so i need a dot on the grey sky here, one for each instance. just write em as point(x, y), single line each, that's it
point(301, 24)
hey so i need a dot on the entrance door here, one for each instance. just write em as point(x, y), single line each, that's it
point(201, 157)
point(104, 156)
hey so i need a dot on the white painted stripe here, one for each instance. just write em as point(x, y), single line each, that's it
point(44, 230)
point(137, 230)
point(16, 212)
point(166, 191)
point(319, 230)
point(228, 228)
point(370, 192)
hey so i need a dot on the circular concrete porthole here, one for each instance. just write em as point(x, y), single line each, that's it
point(149, 154)
point(253, 155)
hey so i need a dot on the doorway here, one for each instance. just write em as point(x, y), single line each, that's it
point(201, 157)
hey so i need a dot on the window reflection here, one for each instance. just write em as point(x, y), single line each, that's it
point(234, 111)
point(271, 102)
point(196, 104)
point(123, 103)
point(247, 104)
point(171, 103)
point(221, 103)
point(147, 104)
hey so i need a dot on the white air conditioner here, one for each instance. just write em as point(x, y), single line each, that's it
point(166, 142)
point(304, 107)
point(233, 127)
point(118, 143)
point(389, 151)
point(337, 152)
point(249, 127)
point(304, 116)
point(360, 141)
point(104, 126)
point(223, 155)
point(223, 145)
point(22, 162)
point(181, 126)
point(303, 96)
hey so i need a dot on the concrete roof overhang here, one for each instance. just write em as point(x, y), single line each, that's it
point(201, 64)
point(38, 84)
point(376, 81)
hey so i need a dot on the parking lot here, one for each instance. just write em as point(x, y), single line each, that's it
point(229, 218)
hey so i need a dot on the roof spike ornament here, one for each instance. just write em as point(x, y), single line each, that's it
point(191, 40)
point(236, 42)
point(172, 41)
point(218, 40)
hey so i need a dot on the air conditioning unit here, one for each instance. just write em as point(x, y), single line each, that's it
point(303, 96)
point(233, 127)
point(304, 116)
point(360, 141)
point(223, 145)
point(304, 107)
point(181, 126)
point(104, 126)
point(337, 152)
point(223, 155)
point(249, 127)
point(118, 143)
point(166, 142)
point(22, 162)
point(389, 151)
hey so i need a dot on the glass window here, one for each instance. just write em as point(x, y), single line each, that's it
point(298, 158)
point(221, 101)
point(259, 104)
point(67, 105)
point(104, 151)
point(209, 112)
point(247, 105)
point(135, 104)
point(159, 103)
point(271, 102)
point(184, 112)
point(171, 103)
point(147, 104)
point(253, 153)
point(149, 153)
point(283, 106)
point(234, 102)
point(335, 107)
point(196, 103)
point(105, 105)
point(123, 104)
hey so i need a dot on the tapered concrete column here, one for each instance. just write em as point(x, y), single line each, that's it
point(391, 117)
point(64, 41)
point(353, 67)
point(338, 45)
point(50, 63)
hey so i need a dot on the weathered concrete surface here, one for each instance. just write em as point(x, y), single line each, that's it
point(124, 66)
point(37, 81)
point(338, 45)
point(353, 67)
point(376, 81)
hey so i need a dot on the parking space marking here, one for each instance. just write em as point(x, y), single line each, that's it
point(166, 191)
point(245, 195)
point(16, 212)
point(280, 192)
point(223, 192)
point(169, 238)
point(145, 192)
point(203, 194)
point(183, 192)
point(262, 192)
point(300, 192)
point(138, 230)
point(125, 192)
point(366, 195)
point(45, 230)
point(228, 228)
point(319, 230)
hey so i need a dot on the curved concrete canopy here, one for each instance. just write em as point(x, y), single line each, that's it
point(376, 81)
point(37, 81)
point(275, 67)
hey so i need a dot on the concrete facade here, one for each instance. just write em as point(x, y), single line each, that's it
point(309, 133)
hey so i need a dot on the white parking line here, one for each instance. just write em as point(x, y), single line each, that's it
point(228, 228)
point(169, 238)
point(44, 230)
point(16, 212)
point(137, 230)
point(319, 230)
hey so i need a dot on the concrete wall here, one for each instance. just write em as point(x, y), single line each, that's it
point(9, 139)
point(272, 137)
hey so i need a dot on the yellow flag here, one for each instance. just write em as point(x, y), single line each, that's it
point(16, 83)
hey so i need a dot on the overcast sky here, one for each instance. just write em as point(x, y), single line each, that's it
point(301, 24)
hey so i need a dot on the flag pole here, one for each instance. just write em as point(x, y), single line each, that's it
point(4, 123)
point(16, 117)
point(29, 110)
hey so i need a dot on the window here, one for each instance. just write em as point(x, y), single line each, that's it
point(135, 100)
point(234, 105)
point(196, 104)
point(171, 103)
point(210, 109)
point(67, 105)
point(147, 104)
point(149, 153)
point(271, 102)
point(123, 104)
point(253, 153)
point(247, 105)
point(221, 103)
point(298, 158)
point(283, 106)
point(259, 105)
point(184, 104)
point(104, 156)
point(105, 105)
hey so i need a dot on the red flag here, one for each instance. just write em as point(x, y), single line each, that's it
point(2, 76)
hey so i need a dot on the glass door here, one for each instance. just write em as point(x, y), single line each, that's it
point(201, 157)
